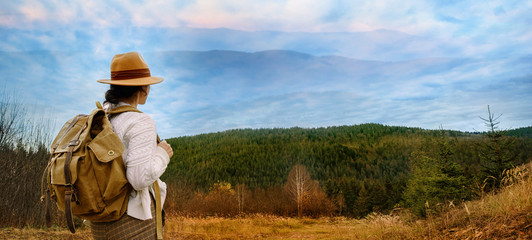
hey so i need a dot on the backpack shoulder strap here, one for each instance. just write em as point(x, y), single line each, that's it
point(121, 109)
point(125, 108)
point(158, 210)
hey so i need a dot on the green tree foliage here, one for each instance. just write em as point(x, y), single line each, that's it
point(525, 132)
point(361, 168)
point(498, 154)
point(436, 182)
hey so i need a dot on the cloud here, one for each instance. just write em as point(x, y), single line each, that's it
point(453, 108)
point(304, 109)
point(481, 27)
point(412, 16)
point(422, 93)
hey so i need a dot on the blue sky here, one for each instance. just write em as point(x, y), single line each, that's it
point(442, 62)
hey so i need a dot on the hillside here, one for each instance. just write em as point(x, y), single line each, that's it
point(505, 214)
point(525, 132)
point(366, 165)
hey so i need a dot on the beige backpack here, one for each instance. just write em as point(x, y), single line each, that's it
point(86, 174)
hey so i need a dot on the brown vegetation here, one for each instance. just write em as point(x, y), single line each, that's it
point(300, 196)
point(299, 185)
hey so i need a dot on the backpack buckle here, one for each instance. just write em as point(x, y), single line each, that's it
point(71, 190)
point(73, 143)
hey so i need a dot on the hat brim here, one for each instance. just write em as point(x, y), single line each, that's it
point(133, 82)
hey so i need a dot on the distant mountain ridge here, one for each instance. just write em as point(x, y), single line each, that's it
point(277, 72)
point(283, 88)
point(274, 64)
point(383, 45)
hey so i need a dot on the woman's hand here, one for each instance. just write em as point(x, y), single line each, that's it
point(167, 148)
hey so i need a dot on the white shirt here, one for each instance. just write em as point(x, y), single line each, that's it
point(145, 162)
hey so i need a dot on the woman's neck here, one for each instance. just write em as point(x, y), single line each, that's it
point(133, 102)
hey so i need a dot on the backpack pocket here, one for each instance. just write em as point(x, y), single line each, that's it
point(86, 199)
point(58, 169)
point(106, 146)
point(106, 151)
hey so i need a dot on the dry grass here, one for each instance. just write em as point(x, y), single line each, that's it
point(503, 215)
point(44, 234)
point(273, 227)
point(251, 227)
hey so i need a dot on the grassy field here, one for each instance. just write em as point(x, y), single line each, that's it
point(254, 227)
point(505, 215)
point(271, 227)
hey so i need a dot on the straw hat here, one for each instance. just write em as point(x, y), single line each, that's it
point(129, 69)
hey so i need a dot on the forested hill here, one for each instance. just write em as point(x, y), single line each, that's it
point(525, 132)
point(368, 161)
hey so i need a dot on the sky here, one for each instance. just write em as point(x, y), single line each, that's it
point(46, 44)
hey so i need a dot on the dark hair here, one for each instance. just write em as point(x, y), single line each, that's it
point(117, 92)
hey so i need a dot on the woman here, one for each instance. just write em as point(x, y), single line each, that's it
point(144, 159)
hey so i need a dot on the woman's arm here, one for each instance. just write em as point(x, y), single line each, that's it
point(146, 161)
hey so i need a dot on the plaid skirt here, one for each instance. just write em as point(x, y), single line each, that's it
point(126, 227)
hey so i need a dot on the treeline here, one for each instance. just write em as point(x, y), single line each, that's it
point(525, 132)
point(360, 168)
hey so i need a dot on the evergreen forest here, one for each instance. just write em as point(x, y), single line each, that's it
point(360, 169)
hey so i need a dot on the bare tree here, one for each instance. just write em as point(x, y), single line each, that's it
point(298, 185)
point(241, 194)
point(11, 116)
point(23, 157)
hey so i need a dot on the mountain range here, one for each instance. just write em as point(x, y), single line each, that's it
point(225, 79)
point(382, 45)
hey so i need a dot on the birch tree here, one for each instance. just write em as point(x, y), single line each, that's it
point(298, 185)
point(241, 194)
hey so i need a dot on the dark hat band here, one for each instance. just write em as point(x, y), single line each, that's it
point(130, 74)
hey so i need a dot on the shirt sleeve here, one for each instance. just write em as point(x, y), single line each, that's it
point(146, 161)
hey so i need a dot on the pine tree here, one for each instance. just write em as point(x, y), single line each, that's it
point(436, 182)
point(498, 152)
